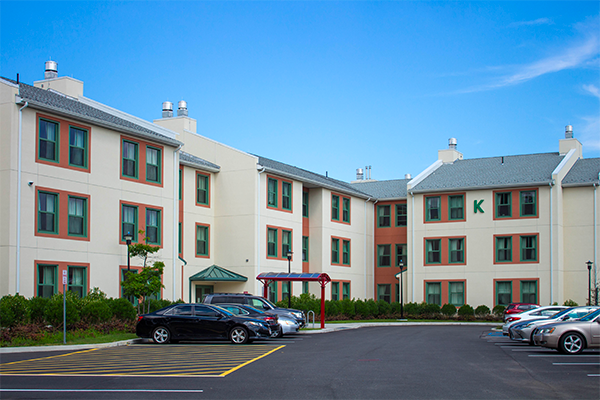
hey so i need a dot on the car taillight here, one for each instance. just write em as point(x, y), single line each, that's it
point(511, 319)
point(269, 319)
point(140, 317)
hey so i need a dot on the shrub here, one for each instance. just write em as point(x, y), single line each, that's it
point(371, 308)
point(14, 310)
point(412, 309)
point(448, 310)
point(383, 308)
point(54, 309)
point(37, 309)
point(306, 302)
point(482, 311)
point(332, 308)
point(96, 311)
point(430, 309)
point(347, 308)
point(361, 309)
point(466, 311)
point(158, 304)
point(570, 303)
point(122, 309)
point(498, 310)
point(95, 295)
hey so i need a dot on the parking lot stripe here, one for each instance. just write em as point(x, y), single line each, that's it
point(107, 390)
point(559, 363)
point(564, 355)
point(251, 361)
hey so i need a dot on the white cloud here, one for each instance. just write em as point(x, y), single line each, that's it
point(592, 89)
point(539, 21)
point(590, 133)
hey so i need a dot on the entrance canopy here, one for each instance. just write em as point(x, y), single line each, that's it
point(268, 277)
point(216, 273)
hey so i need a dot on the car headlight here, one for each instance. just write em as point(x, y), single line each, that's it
point(546, 330)
point(285, 322)
point(297, 315)
point(253, 323)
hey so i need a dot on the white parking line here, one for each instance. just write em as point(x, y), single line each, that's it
point(557, 363)
point(593, 374)
point(564, 355)
point(534, 350)
point(103, 390)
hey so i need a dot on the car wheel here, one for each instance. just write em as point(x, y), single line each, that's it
point(161, 335)
point(238, 335)
point(279, 332)
point(531, 342)
point(571, 343)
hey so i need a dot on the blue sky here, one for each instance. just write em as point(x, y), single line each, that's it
point(332, 86)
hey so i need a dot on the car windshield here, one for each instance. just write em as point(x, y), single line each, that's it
point(590, 316)
point(256, 310)
point(563, 312)
point(224, 311)
point(268, 302)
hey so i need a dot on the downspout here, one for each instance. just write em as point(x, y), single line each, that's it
point(551, 246)
point(176, 218)
point(19, 198)
point(412, 246)
point(258, 236)
point(366, 201)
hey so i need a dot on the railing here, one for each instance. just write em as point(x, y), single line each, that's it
point(308, 317)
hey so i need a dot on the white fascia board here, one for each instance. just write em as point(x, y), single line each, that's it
point(419, 178)
point(7, 83)
point(562, 164)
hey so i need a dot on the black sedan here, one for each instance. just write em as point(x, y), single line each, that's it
point(198, 322)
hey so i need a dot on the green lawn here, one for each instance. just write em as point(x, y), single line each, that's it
point(84, 337)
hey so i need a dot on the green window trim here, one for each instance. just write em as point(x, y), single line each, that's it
point(504, 249)
point(133, 300)
point(180, 238)
point(529, 292)
point(456, 249)
point(78, 147)
point(528, 248)
point(48, 140)
point(153, 226)
point(433, 291)
point(47, 280)
point(271, 242)
point(305, 204)
point(345, 209)
point(345, 290)
point(48, 212)
point(335, 291)
point(286, 195)
point(286, 289)
point(286, 242)
point(384, 216)
point(503, 208)
point(304, 248)
point(272, 192)
point(456, 293)
point(129, 222)
point(503, 293)
point(202, 240)
point(384, 255)
point(401, 254)
point(335, 251)
point(202, 189)
point(401, 215)
point(456, 207)
point(273, 292)
point(528, 203)
point(77, 222)
point(433, 251)
point(180, 182)
point(77, 280)
point(129, 160)
point(335, 207)
point(433, 208)
point(305, 287)
point(384, 292)
point(345, 252)
point(153, 164)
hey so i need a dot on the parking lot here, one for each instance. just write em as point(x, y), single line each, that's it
point(415, 362)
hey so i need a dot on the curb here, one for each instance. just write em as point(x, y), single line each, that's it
point(71, 347)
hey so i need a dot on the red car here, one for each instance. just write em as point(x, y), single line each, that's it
point(515, 308)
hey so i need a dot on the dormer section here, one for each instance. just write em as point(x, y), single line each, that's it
point(570, 143)
point(65, 85)
point(450, 154)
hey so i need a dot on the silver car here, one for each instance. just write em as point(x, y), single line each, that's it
point(570, 337)
point(523, 332)
point(535, 313)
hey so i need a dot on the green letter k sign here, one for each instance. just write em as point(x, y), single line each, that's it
point(477, 206)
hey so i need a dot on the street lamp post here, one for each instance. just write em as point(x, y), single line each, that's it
point(289, 257)
point(589, 267)
point(128, 238)
point(399, 275)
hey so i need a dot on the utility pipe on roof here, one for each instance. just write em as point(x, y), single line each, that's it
point(176, 219)
point(19, 179)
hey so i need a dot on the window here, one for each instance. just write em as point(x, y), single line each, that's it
point(202, 192)
point(271, 242)
point(47, 279)
point(529, 292)
point(503, 205)
point(457, 293)
point(130, 157)
point(129, 222)
point(504, 249)
point(503, 293)
point(456, 204)
point(346, 252)
point(304, 248)
point(202, 240)
point(304, 287)
point(286, 290)
point(401, 254)
point(77, 147)
point(528, 203)
point(457, 250)
point(345, 290)
point(383, 216)
point(433, 251)
point(153, 226)
point(432, 209)
point(335, 251)
point(180, 239)
point(273, 292)
point(286, 195)
point(335, 290)
point(345, 209)
point(384, 292)
point(528, 248)
point(77, 216)
point(47, 212)
point(305, 204)
point(434, 293)
point(272, 193)
point(77, 280)
point(335, 207)
point(401, 214)
point(153, 163)
point(180, 183)
point(384, 255)
point(48, 140)
point(286, 243)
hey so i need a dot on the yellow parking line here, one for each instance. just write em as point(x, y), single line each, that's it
point(251, 361)
point(47, 358)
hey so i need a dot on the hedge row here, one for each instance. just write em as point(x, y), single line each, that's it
point(370, 309)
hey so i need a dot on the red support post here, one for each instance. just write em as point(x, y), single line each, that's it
point(322, 305)
point(265, 290)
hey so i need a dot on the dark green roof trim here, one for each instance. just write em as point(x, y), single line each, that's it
point(216, 273)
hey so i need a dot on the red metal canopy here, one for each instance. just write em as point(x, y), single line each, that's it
point(267, 277)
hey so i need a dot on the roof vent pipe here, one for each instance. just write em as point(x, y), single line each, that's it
point(182, 110)
point(167, 109)
point(568, 132)
point(51, 71)
point(359, 174)
point(407, 176)
point(452, 143)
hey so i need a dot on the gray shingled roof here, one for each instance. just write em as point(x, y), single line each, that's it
point(305, 176)
point(50, 101)
point(384, 190)
point(197, 162)
point(479, 173)
point(584, 173)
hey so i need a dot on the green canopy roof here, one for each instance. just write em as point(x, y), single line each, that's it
point(216, 273)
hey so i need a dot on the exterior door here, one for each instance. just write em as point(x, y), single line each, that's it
point(202, 291)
